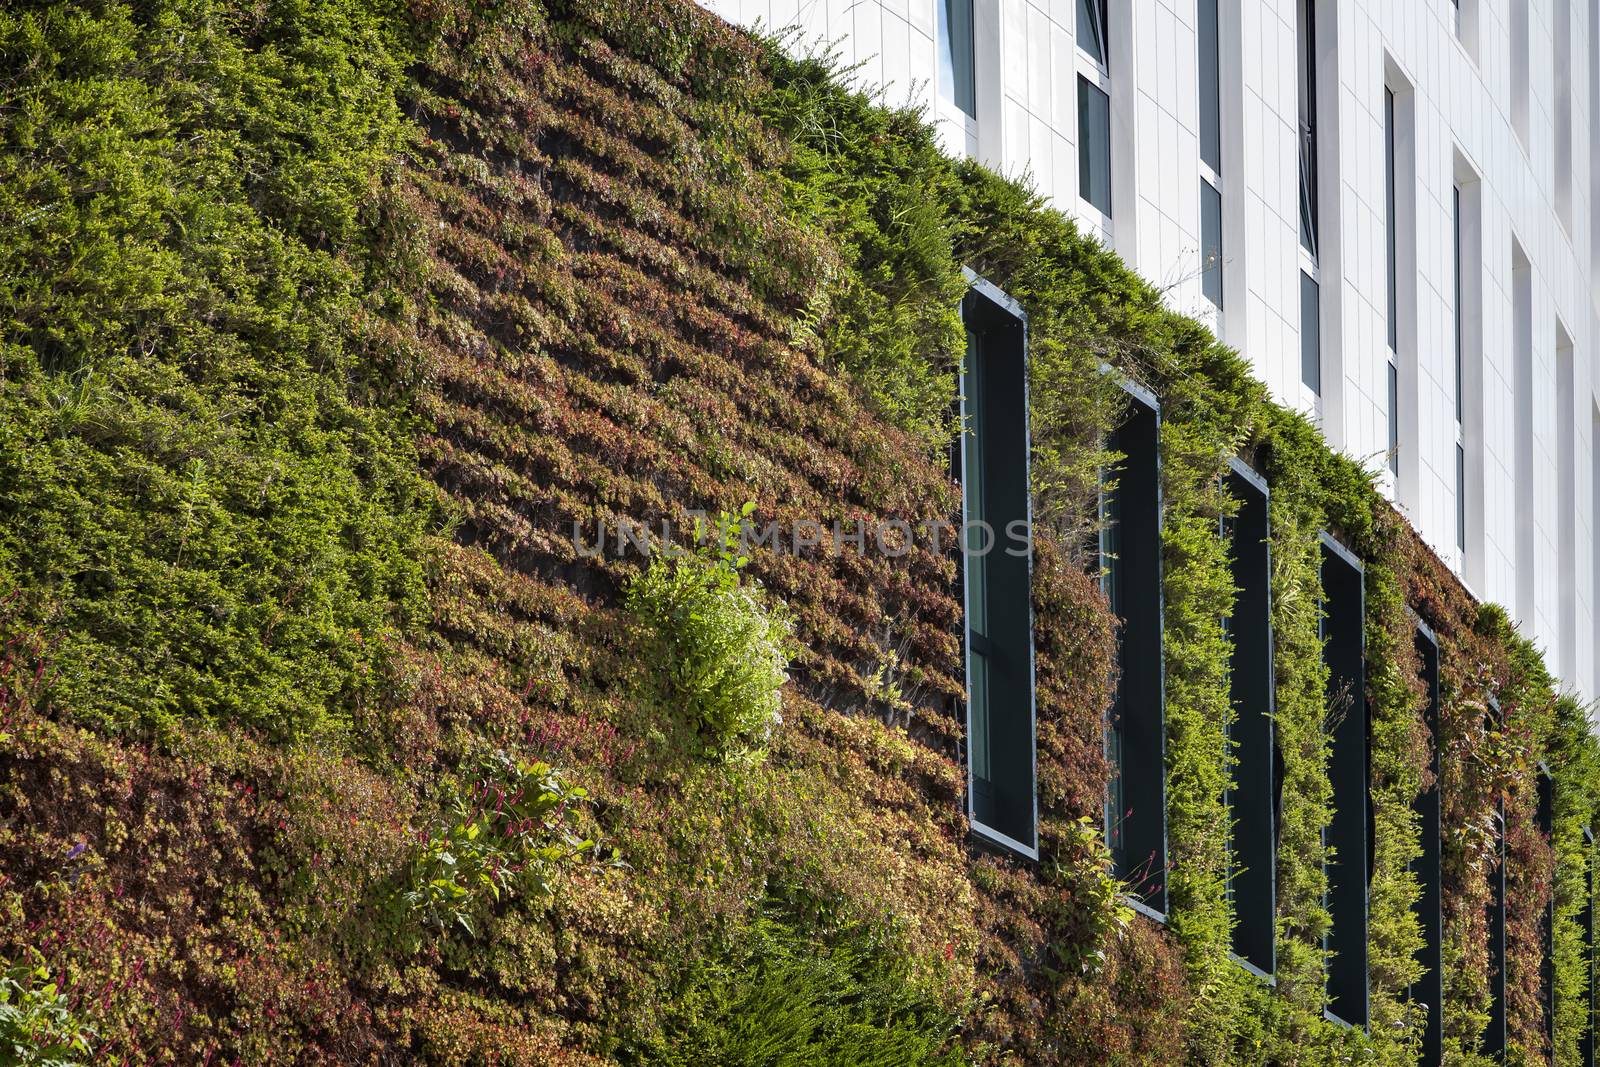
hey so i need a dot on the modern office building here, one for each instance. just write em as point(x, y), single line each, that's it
point(1388, 207)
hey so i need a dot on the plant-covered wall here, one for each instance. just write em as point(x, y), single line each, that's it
point(342, 340)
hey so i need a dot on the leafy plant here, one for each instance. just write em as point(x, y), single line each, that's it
point(723, 647)
point(509, 833)
point(37, 1026)
point(787, 998)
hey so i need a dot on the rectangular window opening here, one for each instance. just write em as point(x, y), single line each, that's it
point(1461, 498)
point(1456, 266)
point(1130, 560)
point(1310, 334)
point(956, 55)
point(1210, 86)
point(1252, 878)
point(1429, 989)
point(1211, 242)
point(1394, 418)
point(1094, 146)
point(1092, 36)
point(1344, 653)
point(997, 578)
point(1306, 68)
point(1393, 221)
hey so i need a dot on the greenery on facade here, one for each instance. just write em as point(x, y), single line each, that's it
point(37, 1026)
point(328, 326)
point(723, 649)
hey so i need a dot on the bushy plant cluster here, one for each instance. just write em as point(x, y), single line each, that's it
point(715, 636)
point(37, 1025)
point(511, 831)
point(791, 996)
point(208, 486)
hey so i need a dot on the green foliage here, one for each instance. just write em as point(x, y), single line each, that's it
point(37, 1025)
point(877, 183)
point(787, 997)
point(510, 832)
point(722, 646)
point(207, 483)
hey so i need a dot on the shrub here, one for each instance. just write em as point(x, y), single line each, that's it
point(37, 1028)
point(788, 999)
point(722, 647)
point(510, 832)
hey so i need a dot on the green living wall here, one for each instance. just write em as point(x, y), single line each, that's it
point(336, 335)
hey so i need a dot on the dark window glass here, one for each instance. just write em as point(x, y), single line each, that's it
point(1211, 242)
point(1461, 498)
point(1210, 86)
point(1130, 550)
point(955, 54)
point(1092, 36)
point(1310, 333)
point(1000, 714)
point(1455, 228)
point(1429, 989)
point(1394, 418)
point(1094, 145)
point(1344, 653)
point(1393, 221)
point(1252, 883)
point(1306, 56)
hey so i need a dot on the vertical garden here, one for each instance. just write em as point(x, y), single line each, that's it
point(339, 339)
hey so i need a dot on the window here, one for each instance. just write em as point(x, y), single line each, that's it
point(1306, 61)
point(1393, 250)
point(1252, 881)
point(955, 55)
point(1429, 989)
point(1519, 70)
point(1393, 222)
point(1455, 256)
point(1394, 418)
point(1344, 653)
point(1562, 46)
point(1461, 497)
point(1566, 663)
point(1094, 146)
point(1544, 821)
point(1211, 242)
point(1310, 339)
point(1210, 86)
point(1130, 559)
point(1522, 427)
point(998, 575)
point(1092, 31)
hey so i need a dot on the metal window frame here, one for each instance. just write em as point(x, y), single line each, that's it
point(1140, 395)
point(995, 295)
point(1256, 481)
point(1431, 913)
point(1344, 555)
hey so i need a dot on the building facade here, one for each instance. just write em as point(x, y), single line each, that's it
point(1388, 208)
